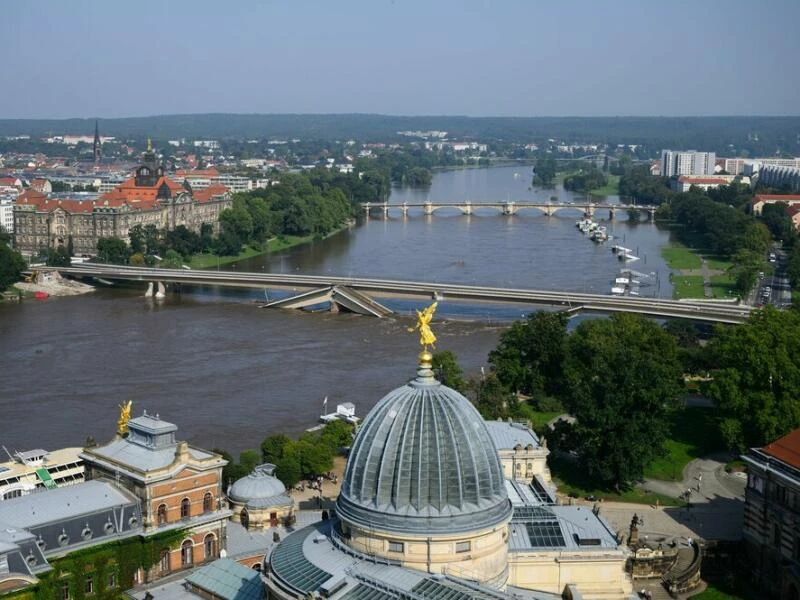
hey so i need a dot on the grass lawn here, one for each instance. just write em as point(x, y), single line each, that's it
point(571, 481)
point(723, 286)
point(210, 261)
point(717, 263)
point(714, 593)
point(693, 434)
point(680, 257)
point(609, 189)
point(687, 286)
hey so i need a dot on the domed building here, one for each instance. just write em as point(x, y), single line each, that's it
point(259, 500)
point(424, 485)
point(429, 509)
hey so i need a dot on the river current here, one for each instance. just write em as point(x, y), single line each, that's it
point(229, 374)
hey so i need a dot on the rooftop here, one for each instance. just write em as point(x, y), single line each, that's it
point(507, 436)
point(786, 449)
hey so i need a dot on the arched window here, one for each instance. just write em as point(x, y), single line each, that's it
point(162, 514)
point(184, 508)
point(210, 546)
point(208, 502)
point(244, 517)
point(163, 564)
point(187, 553)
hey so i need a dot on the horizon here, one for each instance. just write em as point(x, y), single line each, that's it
point(516, 59)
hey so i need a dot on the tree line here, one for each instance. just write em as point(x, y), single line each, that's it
point(308, 456)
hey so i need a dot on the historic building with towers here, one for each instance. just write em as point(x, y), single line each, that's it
point(149, 197)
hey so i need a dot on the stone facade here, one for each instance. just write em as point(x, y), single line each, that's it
point(147, 198)
point(772, 516)
point(178, 486)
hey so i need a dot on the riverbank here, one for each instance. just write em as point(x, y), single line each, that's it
point(609, 189)
point(275, 244)
point(52, 284)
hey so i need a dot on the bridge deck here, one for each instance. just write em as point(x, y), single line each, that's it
point(385, 288)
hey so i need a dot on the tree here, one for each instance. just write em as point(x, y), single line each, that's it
point(529, 356)
point(113, 251)
point(756, 378)
point(11, 267)
point(272, 448)
point(448, 371)
point(545, 171)
point(55, 257)
point(137, 239)
point(622, 375)
point(173, 260)
point(492, 399)
point(288, 470)
point(336, 434)
point(249, 459)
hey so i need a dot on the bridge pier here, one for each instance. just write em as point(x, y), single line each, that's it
point(612, 213)
point(467, 210)
point(589, 212)
point(404, 208)
point(155, 289)
point(428, 208)
point(508, 208)
point(386, 210)
point(366, 210)
point(651, 214)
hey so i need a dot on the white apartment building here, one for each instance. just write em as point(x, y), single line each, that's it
point(7, 213)
point(689, 162)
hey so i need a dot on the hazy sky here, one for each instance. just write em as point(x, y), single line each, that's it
point(81, 58)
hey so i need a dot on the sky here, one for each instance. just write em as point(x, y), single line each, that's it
point(89, 59)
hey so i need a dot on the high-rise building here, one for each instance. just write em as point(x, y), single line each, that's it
point(689, 162)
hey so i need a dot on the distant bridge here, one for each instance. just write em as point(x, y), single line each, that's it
point(509, 207)
point(358, 294)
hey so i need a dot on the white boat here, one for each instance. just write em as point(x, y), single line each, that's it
point(618, 290)
point(627, 256)
point(617, 249)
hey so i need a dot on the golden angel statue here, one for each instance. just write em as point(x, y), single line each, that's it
point(124, 417)
point(426, 335)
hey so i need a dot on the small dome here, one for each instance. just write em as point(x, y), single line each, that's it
point(423, 461)
point(257, 487)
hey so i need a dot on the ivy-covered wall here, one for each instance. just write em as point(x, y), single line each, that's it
point(111, 566)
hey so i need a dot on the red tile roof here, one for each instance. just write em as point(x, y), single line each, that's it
point(139, 196)
point(45, 204)
point(702, 180)
point(776, 198)
point(208, 193)
point(786, 449)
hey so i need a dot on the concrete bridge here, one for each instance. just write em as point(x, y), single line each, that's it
point(510, 207)
point(359, 294)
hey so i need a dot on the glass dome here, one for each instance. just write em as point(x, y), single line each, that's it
point(423, 462)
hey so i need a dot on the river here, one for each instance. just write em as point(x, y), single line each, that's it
point(229, 374)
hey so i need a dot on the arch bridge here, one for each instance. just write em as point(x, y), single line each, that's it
point(509, 208)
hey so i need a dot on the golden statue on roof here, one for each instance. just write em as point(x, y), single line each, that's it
point(124, 417)
point(149, 144)
point(426, 335)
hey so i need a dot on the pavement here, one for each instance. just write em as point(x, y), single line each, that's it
point(715, 510)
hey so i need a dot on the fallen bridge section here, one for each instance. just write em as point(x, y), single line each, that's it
point(340, 297)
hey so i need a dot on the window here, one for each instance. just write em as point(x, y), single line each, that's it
point(187, 553)
point(12, 494)
point(463, 547)
point(89, 586)
point(112, 580)
point(163, 564)
point(65, 591)
point(185, 508)
point(208, 502)
point(210, 546)
point(162, 514)
point(396, 547)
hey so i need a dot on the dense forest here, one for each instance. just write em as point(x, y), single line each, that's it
point(724, 135)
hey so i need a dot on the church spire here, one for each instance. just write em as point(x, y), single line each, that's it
point(96, 144)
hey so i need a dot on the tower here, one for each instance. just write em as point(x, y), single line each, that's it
point(96, 144)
